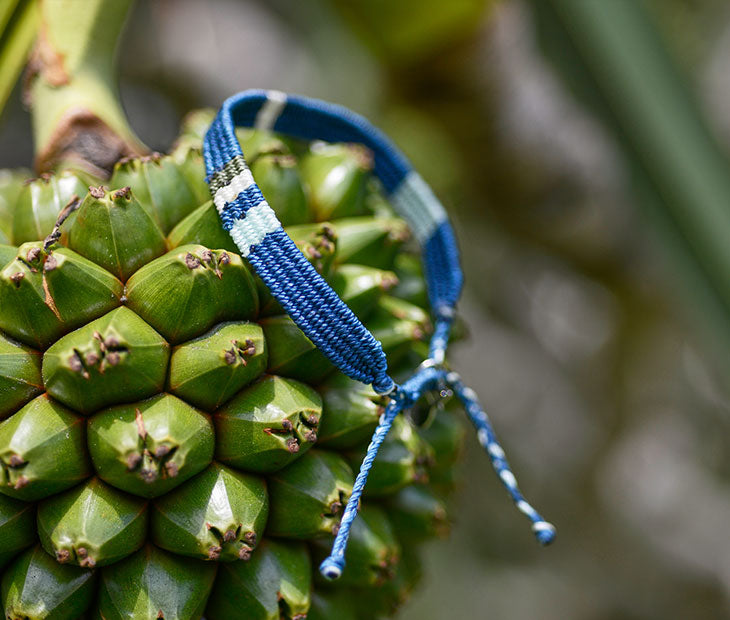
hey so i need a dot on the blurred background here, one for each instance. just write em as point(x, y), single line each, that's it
point(580, 147)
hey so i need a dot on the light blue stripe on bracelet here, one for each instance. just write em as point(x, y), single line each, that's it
point(251, 230)
point(417, 203)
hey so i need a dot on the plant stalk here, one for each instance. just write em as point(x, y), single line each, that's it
point(71, 87)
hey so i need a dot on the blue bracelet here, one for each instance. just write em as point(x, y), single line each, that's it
point(310, 301)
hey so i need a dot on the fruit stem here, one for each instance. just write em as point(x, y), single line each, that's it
point(78, 120)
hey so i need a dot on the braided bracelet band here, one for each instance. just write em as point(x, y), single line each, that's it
point(310, 301)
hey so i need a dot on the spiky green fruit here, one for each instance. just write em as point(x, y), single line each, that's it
point(171, 444)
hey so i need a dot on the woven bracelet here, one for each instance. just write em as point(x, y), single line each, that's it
point(310, 301)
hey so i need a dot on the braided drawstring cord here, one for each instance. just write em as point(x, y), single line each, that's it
point(432, 375)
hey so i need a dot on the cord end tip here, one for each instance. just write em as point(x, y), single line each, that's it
point(544, 532)
point(330, 569)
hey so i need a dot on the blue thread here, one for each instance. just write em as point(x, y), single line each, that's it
point(544, 531)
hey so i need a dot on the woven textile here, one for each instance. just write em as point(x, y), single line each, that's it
point(310, 301)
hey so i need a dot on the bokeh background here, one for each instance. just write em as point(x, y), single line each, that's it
point(596, 344)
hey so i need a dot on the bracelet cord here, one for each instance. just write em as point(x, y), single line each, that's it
point(311, 302)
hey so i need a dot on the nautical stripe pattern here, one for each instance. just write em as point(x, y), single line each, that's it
point(309, 300)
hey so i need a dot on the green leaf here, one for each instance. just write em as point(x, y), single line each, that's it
point(18, 27)
point(267, 425)
point(151, 447)
point(42, 451)
point(155, 584)
point(36, 587)
point(615, 58)
point(218, 515)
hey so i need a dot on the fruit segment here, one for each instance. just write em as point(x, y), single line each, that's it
point(36, 586)
point(218, 515)
point(150, 447)
point(17, 528)
point(350, 413)
point(187, 291)
point(45, 294)
point(309, 497)
point(372, 554)
point(268, 425)
point(209, 370)
point(153, 583)
point(336, 177)
point(92, 525)
point(113, 230)
point(159, 185)
point(274, 585)
point(20, 376)
point(291, 353)
point(117, 358)
point(42, 450)
point(40, 202)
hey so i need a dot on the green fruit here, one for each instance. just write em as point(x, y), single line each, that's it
point(154, 584)
point(17, 527)
point(403, 459)
point(372, 554)
point(40, 202)
point(172, 445)
point(274, 585)
point(151, 447)
point(218, 515)
point(36, 586)
point(309, 497)
point(268, 425)
point(92, 525)
point(160, 186)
